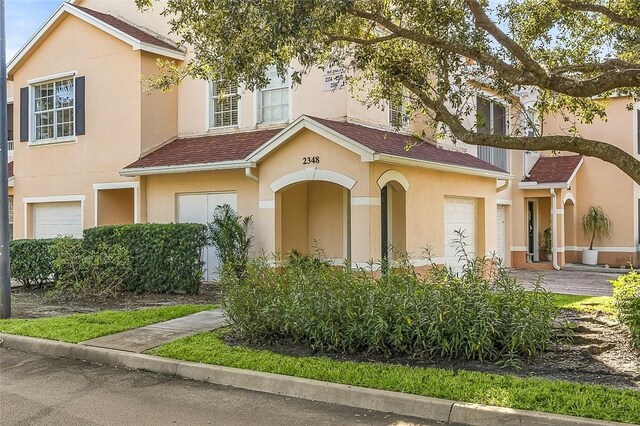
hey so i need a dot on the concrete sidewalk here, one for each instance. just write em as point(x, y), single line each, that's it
point(141, 339)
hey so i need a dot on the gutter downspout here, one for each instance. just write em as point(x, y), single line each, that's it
point(554, 228)
point(250, 175)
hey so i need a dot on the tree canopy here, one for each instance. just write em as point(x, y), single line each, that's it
point(575, 54)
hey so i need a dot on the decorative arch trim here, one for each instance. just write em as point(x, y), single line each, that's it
point(393, 175)
point(569, 197)
point(308, 175)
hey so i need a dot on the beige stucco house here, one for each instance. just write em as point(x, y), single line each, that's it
point(310, 163)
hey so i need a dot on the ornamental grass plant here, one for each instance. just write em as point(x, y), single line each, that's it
point(466, 314)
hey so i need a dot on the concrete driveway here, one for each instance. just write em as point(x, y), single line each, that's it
point(584, 283)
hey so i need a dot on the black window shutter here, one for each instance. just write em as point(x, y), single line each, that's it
point(80, 128)
point(24, 114)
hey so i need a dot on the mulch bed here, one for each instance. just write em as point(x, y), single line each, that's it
point(600, 353)
point(36, 303)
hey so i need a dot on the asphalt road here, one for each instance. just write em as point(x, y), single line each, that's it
point(38, 390)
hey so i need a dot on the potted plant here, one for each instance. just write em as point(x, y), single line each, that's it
point(597, 224)
point(546, 250)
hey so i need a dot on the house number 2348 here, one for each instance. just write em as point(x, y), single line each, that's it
point(311, 160)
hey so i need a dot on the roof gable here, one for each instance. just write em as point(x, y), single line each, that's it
point(135, 37)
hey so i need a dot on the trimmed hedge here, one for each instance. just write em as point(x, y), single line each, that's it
point(165, 258)
point(626, 296)
point(31, 261)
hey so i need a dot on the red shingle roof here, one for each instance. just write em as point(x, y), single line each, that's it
point(238, 146)
point(10, 167)
point(554, 169)
point(392, 143)
point(128, 29)
point(206, 149)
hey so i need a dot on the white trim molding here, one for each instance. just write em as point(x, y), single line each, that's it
point(52, 77)
point(53, 199)
point(186, 168)
point(365, 201)
point(568, 197)
point(622, 249)
point(519, 248)
point(393, 176)
point(409, 162)
point(503, 202)
point(117, 185)
point(312, 174)
point(304, 122)
point(267, 204)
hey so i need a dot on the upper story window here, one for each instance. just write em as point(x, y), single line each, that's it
point(11, 217)
point(53, 110)
point(398, 117)
point(532, 123)
point(492, 119)
point(273, 99)
point(224, 104)
point(10, 125)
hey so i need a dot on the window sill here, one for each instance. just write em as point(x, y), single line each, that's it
point(53, 141)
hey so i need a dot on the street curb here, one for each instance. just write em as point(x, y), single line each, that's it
point(434, 409)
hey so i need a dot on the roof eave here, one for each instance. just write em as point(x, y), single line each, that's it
point(411, 162)
point(549, 185)
point(185, 168)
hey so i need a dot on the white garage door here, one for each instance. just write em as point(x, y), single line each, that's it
point(199, 208)
point(459, 215)
point(55, 219)
point(501, 223)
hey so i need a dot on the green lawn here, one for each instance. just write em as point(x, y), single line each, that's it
point(560, 397)
point(603, 304)
point(80, 327)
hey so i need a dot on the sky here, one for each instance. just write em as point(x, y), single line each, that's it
point(24, 18)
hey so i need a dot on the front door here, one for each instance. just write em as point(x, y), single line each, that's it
point(199, 208)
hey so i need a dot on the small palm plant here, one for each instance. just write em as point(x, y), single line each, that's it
point(597, 224)
point(231, 235)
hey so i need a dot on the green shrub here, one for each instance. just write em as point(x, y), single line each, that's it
point(99, 272)
point(230, 235)
point(626, 296)
point(165, 258)
point(31, 261)
point(440, 314)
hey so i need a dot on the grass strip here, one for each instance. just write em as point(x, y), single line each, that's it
point(552, 396)
point(80, 327)
point(595, 304)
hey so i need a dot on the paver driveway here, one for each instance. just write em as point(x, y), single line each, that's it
point(584, 283)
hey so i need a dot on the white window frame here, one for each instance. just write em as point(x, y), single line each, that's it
point(492, 102)
point(402, 111)
point(32, 112)
point(211, 109)
point(258, 101)
point(10, 142)
point(117, 185)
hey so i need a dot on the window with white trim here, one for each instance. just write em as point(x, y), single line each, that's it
point(398, 117)
point(53, 110)
point(10, 125)
point(224, 104)
point(532, 123)
point(273, 99)
point(491, 118)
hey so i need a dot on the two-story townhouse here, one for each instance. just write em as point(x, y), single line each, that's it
point(310, 163)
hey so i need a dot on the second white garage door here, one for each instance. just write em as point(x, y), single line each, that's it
point(459, 215)
point(199, 208)
point(52, 220)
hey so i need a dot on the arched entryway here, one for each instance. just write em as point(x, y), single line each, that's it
point(570, 230)
point(393, 214)
point(313, 211)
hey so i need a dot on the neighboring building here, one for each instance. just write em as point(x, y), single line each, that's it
point(311, 164)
